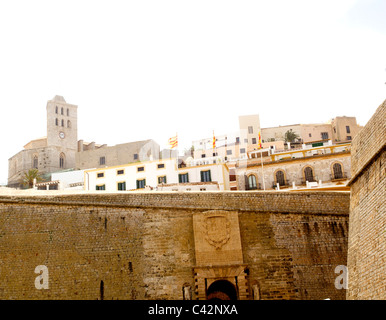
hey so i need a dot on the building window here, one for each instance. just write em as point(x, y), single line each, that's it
point(324, 135)
point(206, 176)
point(121, 186)
point(56, 122)
point(309, 174)
point(120, 172)
point(141, 184)
point(68, 124)
point(280, 177)
point(35, 162)
point(56, 109)
point(100, 187)
point(237, 139)
point(348, 137)
point(61, 111)
point(232, 175)
point(245, 140)
point(348, 129)
point(62, 123)
point(140, 169)
point(68, 112)
point(253, 140)
point(310, 135)
point(135, 156)
point(102, 161)
point(338, 172)
point(61, 161)
point(242, 150)
point(203, 155)
point(229, 152)
point(100, 175)
point(160, 166)
point(161, 179)
point(183, 178)
point(250, 129)
point(251, 182)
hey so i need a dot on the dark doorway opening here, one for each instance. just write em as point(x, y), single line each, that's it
point(221, 290)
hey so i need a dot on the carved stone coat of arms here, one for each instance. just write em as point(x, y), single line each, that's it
point(217, 230)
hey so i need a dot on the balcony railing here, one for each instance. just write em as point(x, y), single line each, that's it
point(309, 179)
point(257, 187)
point(338, 176)
point(284, 185)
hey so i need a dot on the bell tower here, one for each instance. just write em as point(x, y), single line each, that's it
point(62, 132)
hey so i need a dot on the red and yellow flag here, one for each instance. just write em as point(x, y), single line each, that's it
point(260, 145)
point(214, 140)
point(173, 141)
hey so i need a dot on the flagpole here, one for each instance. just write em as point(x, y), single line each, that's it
point(261, 158)
point(262, 168)
point(178, 177)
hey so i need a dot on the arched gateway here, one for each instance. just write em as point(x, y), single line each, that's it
point(221, 290)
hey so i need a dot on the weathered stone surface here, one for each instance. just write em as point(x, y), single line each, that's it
point(367, 234)
point(143, 246)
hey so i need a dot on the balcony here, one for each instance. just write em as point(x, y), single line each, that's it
point(257, 187)
point(338, 176)
point(286, 184)
point(309, 179)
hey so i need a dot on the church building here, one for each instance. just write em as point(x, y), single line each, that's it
point(56, 151)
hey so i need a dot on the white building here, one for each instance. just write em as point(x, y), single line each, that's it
point(159, 175)
point(63, 180)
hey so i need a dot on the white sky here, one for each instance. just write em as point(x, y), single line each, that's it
point(148, 69)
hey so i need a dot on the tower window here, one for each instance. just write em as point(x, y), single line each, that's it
point(62, 123)
point(68, 112)
point(61, 161)
point(35, 162)
point(56, 109)
point(61, 111)
point(68, 124)
point(56, 122)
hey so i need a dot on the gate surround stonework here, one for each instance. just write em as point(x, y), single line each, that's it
point(218, 251)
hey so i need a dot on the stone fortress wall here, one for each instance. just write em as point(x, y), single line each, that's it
point(367, 235)
point(267, 245)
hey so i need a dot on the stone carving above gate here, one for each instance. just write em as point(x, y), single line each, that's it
point(217, 230)
point(217, 238)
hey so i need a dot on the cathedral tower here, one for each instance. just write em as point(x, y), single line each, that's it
point(62, 133)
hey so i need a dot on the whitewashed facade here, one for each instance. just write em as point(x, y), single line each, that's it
point(157, 175)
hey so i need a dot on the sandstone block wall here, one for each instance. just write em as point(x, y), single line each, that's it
point(142, 245)
point(367, 234)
